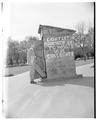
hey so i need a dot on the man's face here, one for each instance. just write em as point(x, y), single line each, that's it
point(37, 43)
point(34, 43)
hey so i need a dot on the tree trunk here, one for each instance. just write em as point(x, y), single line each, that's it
point(84, 54)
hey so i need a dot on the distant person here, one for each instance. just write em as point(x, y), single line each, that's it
point(37, 63)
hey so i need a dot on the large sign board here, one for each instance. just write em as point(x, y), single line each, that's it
point(58, 51)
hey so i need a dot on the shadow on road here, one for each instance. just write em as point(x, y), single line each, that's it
point(85, 81)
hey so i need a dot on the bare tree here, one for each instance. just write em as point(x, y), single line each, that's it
point(80, 38)
point(81, 28)
point(90, 37)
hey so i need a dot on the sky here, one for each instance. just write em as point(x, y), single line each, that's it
point(25, 18)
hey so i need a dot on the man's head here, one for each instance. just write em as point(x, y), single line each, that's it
point(34, 43)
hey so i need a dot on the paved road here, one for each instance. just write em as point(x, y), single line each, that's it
point(69, 98)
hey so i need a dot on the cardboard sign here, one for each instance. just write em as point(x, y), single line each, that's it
point(59, 58)
point(58, 52)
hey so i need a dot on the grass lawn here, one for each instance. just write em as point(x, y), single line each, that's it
point(21, 69)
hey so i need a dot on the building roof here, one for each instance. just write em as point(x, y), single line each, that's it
point(42, 27)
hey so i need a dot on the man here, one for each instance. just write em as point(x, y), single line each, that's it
point(35, 59)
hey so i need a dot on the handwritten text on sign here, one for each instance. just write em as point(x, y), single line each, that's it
point(52, 39)
point(60, 45)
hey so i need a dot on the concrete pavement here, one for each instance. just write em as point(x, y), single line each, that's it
point(68, 98)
